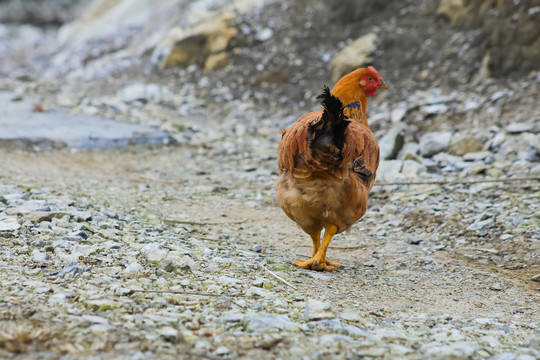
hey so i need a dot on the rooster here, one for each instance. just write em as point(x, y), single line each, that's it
point(327, 163)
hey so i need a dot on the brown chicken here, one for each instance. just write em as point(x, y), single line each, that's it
point(327, 163)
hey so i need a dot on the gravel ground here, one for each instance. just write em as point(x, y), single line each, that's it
point(182, 251)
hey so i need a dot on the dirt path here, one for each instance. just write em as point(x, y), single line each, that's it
point(382, 273)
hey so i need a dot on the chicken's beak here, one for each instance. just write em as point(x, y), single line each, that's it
point(382, 85)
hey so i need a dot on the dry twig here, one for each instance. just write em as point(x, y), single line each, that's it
point(458, 182)
point(187, 222)
point(185, 293)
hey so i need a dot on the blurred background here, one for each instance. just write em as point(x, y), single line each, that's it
point(469, 67)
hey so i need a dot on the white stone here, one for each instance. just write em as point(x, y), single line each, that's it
point(434, 142)
point(9, 224)
point(318, 310)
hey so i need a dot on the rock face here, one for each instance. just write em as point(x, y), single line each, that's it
point(353, 56)
point(66, 130)
point(174, 32)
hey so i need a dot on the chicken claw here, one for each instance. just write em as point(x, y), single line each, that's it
point(313, 264)
point(319, 260)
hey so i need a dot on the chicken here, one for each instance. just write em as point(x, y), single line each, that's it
point(327, 163)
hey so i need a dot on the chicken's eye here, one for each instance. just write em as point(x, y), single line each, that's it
point(370, 78)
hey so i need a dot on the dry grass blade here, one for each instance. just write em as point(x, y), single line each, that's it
point(279, 278)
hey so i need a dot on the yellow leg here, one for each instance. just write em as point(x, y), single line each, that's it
point(316, 238)
point(319, 261)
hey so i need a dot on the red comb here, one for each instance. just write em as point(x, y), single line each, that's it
point(371, 68)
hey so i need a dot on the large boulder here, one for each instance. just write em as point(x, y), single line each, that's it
point(353, 56)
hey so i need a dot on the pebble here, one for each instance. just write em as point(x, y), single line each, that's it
point(518, 128)
point(265, 34)
point(271, 323)
point(455, 351)
point(9, 224)
point(414, 240)
point(318, 310)
point(257, 248)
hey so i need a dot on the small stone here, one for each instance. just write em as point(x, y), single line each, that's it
point(170, 334)
point(518, 128)
point(536, 278)
point(233, 318)
point(255, 291)
point(476, 156)
point(270, 323)
point(133, 268)
point(333, 339)
point(257, 248)
point(76, 236)
point(414, 240)
point(222, 350)
point(455, 351)
point(264, 34)
point(38, 256)
point(503, 356)
point(481, 225)
point(40, 216)
point(154, 252)
point(9, 224)
point(317, 310)
point(433, 109)
point(497, 287)
point(58, 298)
point(175, 260)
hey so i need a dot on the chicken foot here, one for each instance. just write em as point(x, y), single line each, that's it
point(319, 260)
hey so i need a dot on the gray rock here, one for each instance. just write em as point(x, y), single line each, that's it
point(433, 109)
point(460, 350)
point(434, 142)
point(264, 34)
point(517, 128)
point(391, 143)
point(234, 317)
point(171, 334)
point(397, 114)
point(221, 351)
point(133, 268)
point(503, 356)
point(255, 291)
point(257, 248)
point(481, 224)
point(318, 310)
point(476, 156)
point(154, 252)
point(40, 216)
point(332, 339)
point(271, 322)
point(414, 240)
point(9, 224)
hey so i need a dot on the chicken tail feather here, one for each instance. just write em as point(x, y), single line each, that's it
point(326, 135)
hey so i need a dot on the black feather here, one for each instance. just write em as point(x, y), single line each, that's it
point(326, 135)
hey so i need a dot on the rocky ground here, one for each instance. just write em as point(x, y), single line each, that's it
point(181, 250)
